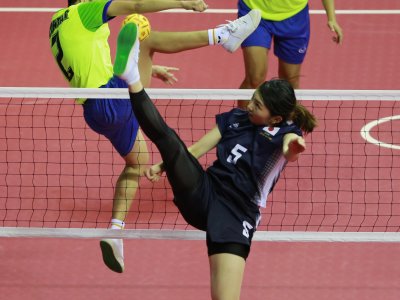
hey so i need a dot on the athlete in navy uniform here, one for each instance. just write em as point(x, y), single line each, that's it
point(253, 147)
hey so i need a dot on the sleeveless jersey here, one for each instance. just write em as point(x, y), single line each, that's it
point(277, 10)
point(78, 38)
point(250, 157)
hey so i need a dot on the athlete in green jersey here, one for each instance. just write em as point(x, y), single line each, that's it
point(78, 37)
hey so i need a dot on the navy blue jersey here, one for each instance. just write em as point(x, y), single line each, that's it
point(250, 157)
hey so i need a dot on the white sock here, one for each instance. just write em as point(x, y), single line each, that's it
point(132, 77)
point(217, 35)
point(117, 224)
point(211, 36)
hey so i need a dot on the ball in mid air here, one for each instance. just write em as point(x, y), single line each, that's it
point(142, 22)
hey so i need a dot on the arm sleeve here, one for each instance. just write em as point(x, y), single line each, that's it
point(94, 14)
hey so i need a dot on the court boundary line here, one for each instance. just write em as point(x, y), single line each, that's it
point(365, 132)
point(223, 11)
point(163, 234)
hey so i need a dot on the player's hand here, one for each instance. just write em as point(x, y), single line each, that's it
point(334, 27)
point(165, 74)
point(297, 145)
point(154, 172)
point(196, 5)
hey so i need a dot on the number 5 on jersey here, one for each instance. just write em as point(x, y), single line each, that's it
point(236, 153)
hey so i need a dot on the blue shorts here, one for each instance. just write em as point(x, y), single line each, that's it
point(113, 118)
point(291, 36)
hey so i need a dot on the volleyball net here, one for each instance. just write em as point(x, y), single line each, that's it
point(57, 176)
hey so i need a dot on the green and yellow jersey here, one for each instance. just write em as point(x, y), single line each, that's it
point(79, 43)
point(277, 10)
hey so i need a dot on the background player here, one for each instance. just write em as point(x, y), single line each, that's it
point(287, 23)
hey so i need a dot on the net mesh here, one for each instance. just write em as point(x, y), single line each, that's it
point(55, 172)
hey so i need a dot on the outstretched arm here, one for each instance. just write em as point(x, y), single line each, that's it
point(329, 6)
point(198, 149)
point(206, 143)
point(293, 145)
point(125, 7)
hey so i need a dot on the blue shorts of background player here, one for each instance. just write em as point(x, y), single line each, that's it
point(113, 118)
point(291, 36)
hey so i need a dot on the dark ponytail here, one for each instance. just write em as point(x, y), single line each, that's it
point(303, 118)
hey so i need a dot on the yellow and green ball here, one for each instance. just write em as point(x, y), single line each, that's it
point(142, 22)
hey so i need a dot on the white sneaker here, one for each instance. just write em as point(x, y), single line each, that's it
point(240, 29)
point(113, 254)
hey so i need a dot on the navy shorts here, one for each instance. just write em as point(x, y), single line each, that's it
point(291, 36)
point(225, 221)
point(113, 118)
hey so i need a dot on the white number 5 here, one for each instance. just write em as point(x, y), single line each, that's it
point(235, 154)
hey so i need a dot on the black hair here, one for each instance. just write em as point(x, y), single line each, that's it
point(279, 97)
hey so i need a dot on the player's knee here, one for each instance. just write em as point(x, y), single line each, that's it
point(294, 81)
point(132, 170)
point(167, 139)
point(253, 80)
point(134, 161)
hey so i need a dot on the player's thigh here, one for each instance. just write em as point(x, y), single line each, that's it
point(256, 64)
point(114, 119)
point(146, 61)
point(139, 155)
point(226, 272)
point(184, 171)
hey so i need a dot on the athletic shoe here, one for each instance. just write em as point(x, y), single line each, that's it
point(240, 29)
point(113, 254)
point(127, 54)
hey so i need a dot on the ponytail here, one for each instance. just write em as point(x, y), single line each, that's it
point(303, 118)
